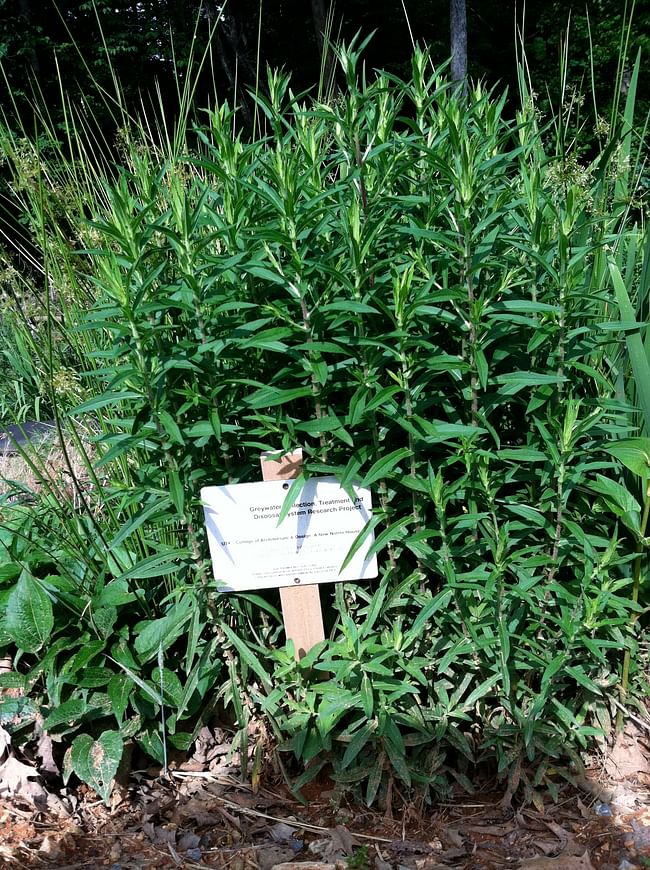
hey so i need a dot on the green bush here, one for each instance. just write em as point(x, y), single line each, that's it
point(408, 286)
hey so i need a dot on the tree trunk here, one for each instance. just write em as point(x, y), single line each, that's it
point(458, 34)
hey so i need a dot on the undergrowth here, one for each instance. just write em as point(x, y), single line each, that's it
point(432, 301)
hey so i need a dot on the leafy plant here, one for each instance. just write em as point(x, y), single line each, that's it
point(414, 288)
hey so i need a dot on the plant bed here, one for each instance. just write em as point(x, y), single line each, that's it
point(436, 301)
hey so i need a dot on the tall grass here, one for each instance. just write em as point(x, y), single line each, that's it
point(424, 295)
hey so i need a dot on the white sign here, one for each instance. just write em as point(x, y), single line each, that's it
point(250, 550)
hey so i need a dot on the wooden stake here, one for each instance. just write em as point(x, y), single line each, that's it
point(301, 610)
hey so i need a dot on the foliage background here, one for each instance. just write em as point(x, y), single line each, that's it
point(150, 42)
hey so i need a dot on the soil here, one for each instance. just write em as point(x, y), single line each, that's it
point(208, 818)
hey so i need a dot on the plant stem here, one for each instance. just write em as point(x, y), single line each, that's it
point(636, 583)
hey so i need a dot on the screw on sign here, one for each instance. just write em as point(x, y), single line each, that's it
point(252, 549)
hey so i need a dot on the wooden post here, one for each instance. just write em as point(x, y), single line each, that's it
point(301, 610)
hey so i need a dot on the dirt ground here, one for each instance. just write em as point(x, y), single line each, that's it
point(200, 815)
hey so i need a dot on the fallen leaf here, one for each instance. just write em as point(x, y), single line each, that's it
point(409, 847)
point(199, 812)
point(304, 865)
point(50, 849)
point(187, 841)
point(627, 758)
point(562, 835)
point(272, 856)
point(452, 837)
point(16, 779)
point(581, 862)
point(5, 741)
point(490, 830)
point(281, 832)
point(337, 847)
point(547, 847)
point(44, 751)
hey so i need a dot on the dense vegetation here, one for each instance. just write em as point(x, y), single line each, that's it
point(434, 300)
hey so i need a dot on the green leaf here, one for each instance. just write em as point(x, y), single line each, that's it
point(29, 617)
point(169, 685)
point(9, 571)
point(119, 690)
point(397, 758)
point(440, 602)
point(374, 779)
point(96, 761)
point(583, 680)
point(293, 493)
point(69, 713)
point(152, 744)
point(367, 699)
point(246, 655)
point(384, 466)
point(271, 397)
point(515, 381)
point(617, 497)
point(103, 401)
point(635, 346)
point(481, 690)
point(171, 427)
point(177, 492)
point(114, 594)
point(159, 634)
point(634, 453)
point(357, 743)
point(358, 542)
point(522, 454)
point(157, 565)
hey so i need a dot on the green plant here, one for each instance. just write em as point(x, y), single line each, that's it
point(410, 286)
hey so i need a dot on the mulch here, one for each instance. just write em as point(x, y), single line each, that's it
point(209, 818)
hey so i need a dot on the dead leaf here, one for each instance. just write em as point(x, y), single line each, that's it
point(50, 849)
point(547, 847)
point(490, 830)
point(272, 856)
point(5, 741)
point(409, 847)
point(429, 863)
point(590, 784)
point(562, 835)
point(188, 841)
point(304, 865)
point(16, 779)
point(57, 807)
point(282, 833)
point(627, 759)
point(199, 812)
point(380, 863)
point(159, 835)
point(343, 839)
point(44, 751)
point(452, 837)
point(581, 862)
point(337, 847)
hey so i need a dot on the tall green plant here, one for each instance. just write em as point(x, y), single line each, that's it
point(407, 284)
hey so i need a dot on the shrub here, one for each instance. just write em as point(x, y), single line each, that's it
point(408, 285)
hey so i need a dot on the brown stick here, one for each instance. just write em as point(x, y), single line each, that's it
point(301, 609)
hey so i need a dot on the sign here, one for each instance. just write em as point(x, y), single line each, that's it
point(250, 550)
